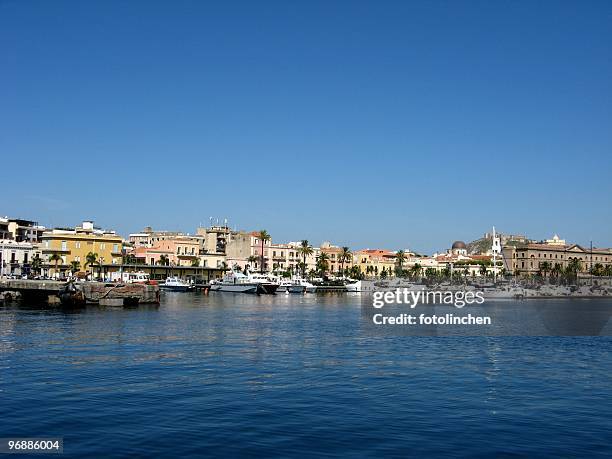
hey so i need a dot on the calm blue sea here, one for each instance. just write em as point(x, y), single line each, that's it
point(293, 376)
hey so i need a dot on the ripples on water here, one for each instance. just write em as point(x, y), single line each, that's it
point(227, 375)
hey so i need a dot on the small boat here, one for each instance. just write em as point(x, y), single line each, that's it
point(234, 282)
point(174, 284)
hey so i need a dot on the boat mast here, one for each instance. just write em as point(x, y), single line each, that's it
point(494, 247)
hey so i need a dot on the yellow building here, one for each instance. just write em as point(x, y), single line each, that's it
point(73, 245)
point(372, 262)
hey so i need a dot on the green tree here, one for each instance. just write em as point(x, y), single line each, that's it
point(416, 270)
point(129, 259)
point(36, 264)
point(545, 267)
point(305, 250)
point(252, 260)
point(263, 236)
point(598, 269)
point(355, 272)
point(557, 270)
point(345, 256)
point(55, 258)
point(164, 260)
point(322, 263)
point(91, 259)
point(573, 268)
point(195, 262)
point(75, 266)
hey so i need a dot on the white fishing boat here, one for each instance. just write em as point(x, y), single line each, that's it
point(175, 284)
point(234, 282)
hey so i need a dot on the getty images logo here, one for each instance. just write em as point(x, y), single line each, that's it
point(411, 298)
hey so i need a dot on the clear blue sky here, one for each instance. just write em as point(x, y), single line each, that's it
point(371, 124)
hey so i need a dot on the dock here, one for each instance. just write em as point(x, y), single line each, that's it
point(53, 292)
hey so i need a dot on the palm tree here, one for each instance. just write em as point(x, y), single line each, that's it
point(164, 260)
point(252, 260)
point(263, 237)
point(416, 270)
point(305, 250)
point(400, 258)
point(90, 260)
point(483, 270)
point(556, 270)
point(322, 263)
point(75, 266)
point(545, 267)
point(55, 258)
point(345, 255)
point(355, 272)
point(574, 267)
point(36, 264)
point(607, 270)
point(598, 269)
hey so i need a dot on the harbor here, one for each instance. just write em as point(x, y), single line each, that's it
point(164, 374)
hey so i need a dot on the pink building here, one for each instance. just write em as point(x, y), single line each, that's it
point(179, 251)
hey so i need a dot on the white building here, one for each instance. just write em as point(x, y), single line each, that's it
point(15, 257)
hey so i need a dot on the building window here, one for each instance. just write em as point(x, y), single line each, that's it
point(77, 245)
point(64, 245)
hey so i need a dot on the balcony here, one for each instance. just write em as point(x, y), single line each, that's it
point(52, 250)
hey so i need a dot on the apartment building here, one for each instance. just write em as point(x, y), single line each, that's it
point(74, 244)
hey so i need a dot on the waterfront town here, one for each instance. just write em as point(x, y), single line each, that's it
point(29, 250)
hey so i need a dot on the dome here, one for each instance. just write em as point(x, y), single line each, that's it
point(459, 245)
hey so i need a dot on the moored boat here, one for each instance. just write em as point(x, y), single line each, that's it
point(174, 284)
point(234, 282)
point(291, 286)
point(360, 286)
point(265, 285)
